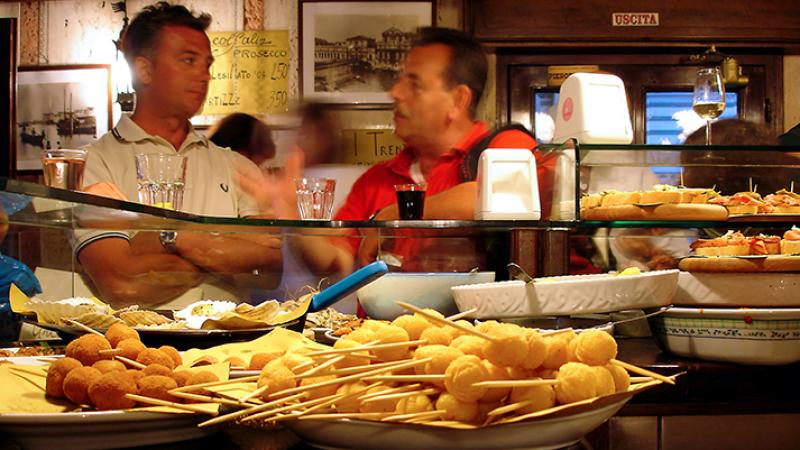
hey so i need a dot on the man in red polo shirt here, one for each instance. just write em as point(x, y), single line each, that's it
point(435, 98)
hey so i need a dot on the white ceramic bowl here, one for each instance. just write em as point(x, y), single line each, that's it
point(567, 295)
point(763, 290)
point(758, 336)
point(425, 290)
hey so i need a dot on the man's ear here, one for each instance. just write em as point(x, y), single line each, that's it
point(462, 98)
point(143, 70)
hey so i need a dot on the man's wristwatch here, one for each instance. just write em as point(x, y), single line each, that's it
point(168, 240)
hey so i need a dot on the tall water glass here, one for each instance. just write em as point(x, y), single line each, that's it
point(161, 179)
point(63, 168)
point(708, 99)
point(315, 197)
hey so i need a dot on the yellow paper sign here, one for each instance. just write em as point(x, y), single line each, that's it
point(557, 74)
point(367, 147)
point(250, 72)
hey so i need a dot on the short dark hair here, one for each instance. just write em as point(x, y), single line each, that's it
point(471, 67)
point(144, 31)
point(245, 134)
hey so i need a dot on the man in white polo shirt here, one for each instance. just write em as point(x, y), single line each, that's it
point(170, 57)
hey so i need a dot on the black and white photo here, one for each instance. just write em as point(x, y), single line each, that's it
point(60, 107)
point(352, 51)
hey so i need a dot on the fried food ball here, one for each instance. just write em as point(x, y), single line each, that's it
point(235, 361)
point(509, 347)
point(436, 336)
point(119, 332)
point(442, 356)
point(108, 392)
point(322, 391)
point(173, 353)
point(374, 325)
point(130, 348)
point(388, 335)
point(460, 376)
point(181, 377)
point(605, 381)
point(56, 373)
point(200, 377)
point(157, 369)
point(291, 360)
point(425, 351)
point(486, 327)
point(595, 347)
point(414, 404)
point(520, 373)
point(455, 332)
point(576, 382)
point(86, 349)
point(157, 386)
point(349, 404)
point(470, 345)
point(278, 377)
point(109, 365)
point(350, 359)
point(387, 405)
point(622, 380)
point(537, 350)
point(259, 360)
point(77, 382)
point(555, 353)
point(496, 373)
point(541, 397)
point(362, 335)
point(155, 356)
point(455, 409)
point(413, 325)
point(134, 374)
point(432, 312)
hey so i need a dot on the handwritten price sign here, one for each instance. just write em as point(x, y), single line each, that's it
point(250, 72)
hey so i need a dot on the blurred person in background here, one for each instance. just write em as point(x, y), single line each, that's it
point(246, 135)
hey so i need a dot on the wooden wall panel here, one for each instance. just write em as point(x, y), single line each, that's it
point(590, 21)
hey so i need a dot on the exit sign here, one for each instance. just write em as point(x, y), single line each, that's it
point(634, 19)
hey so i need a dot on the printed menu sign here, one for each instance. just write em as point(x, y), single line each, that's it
point(367, 147)
point(250, 72)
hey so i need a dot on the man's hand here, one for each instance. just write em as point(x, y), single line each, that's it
point(370, 243)
point(274, 192)
point(105, 189)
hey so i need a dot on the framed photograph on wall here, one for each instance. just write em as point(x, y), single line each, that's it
point(352, 51)
point(60, 107)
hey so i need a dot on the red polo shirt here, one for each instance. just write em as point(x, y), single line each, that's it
point(374, 190)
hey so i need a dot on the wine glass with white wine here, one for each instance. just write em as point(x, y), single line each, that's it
point(708, 99)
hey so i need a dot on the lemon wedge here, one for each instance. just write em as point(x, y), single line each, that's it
point(629, 271)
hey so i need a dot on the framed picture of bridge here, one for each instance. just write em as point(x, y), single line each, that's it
point(60, 107)
point(352, 51)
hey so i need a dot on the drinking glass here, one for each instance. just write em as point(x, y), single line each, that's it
point(411, 200)
point(63, 168)
point(315, 197)
point(161, 179)
point(708, 99)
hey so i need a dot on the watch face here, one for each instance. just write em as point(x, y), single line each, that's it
point(168, 239)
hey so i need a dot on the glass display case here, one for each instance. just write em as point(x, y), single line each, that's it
point(46, 224)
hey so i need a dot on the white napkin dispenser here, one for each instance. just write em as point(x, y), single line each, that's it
point(593, 108)
point(507, 185)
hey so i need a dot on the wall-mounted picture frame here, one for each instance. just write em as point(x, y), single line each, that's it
point(352, 51)
point(65, 106)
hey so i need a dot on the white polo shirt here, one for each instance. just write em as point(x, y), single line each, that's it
point(210, 186)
